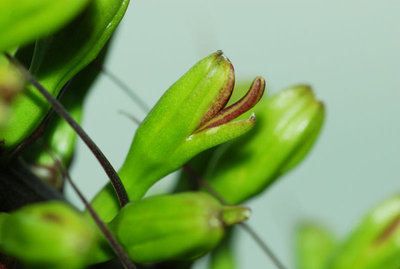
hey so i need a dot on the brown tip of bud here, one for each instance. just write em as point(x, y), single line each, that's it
point(248, 101)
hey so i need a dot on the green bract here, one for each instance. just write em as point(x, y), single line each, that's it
point(190, 117)
point(288, 124)
point(374, 244)
point(58, 58)
point(315, 246)
point(49, 235)
point(22, 21)
point(173, 227)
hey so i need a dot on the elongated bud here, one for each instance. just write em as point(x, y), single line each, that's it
point(189, 118)
point(315, 246)
point(374, 244)
point(48, 235)
point(173, 227)
point(57, 58)
point(22, 22)
point(288, 124)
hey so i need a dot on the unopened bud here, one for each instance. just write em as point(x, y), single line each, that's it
point(48, 235)
point(374, 244)
point(174, 227)
point(288, 124)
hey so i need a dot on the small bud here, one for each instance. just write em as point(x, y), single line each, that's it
point(315, 246)
point(374, 244)
point(173, 227)
point(189, 118)
point(11, 84)
point(48, 235)
point(288, 124)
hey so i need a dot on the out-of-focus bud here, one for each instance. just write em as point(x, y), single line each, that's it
point(57, 143)
point(174, 227)
point(374, 244)
point(189, 118)
point(288, 124)
point(59, 57)
point(11, 84)
point(223, 256)
point(23, 21)
point(314, 245)
point(49, 235)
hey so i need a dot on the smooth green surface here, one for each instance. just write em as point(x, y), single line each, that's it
point(58, 58)
point(374, 243)
point(223, 256)
point(314, 246)
point(49, 235)
point(22, 21)
point(166, 139)
point(165, 227)
point(287, 126)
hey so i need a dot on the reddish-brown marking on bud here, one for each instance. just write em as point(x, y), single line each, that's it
point(52, 217)
point(248, 101)
point(223, 95)
point(388, 231)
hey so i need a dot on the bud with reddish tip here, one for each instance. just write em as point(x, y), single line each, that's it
point(188, 119)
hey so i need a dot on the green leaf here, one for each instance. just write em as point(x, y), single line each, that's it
point(23, 21)
point(58, 58)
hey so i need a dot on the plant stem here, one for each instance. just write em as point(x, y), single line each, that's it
point(118, 249)
point(58, 107)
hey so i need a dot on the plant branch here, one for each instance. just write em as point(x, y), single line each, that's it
point(58, 107)
point(118, 249)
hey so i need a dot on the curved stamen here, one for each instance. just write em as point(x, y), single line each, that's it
point(235, 110)
point(222, 99)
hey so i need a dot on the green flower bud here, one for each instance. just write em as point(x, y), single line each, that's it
point(288, 124)
point(58, 58)
point(11, 85)
point(48, 235)
point(23, 21)
point(189, 118)
point(223, 256)
point(174, 227)
point(314, 245)
point(374, 244)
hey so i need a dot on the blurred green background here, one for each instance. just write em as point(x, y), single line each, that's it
point(348, 51)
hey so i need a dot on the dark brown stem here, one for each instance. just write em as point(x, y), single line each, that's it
point(118, 249)
point(39, 130)
point(58, 107)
